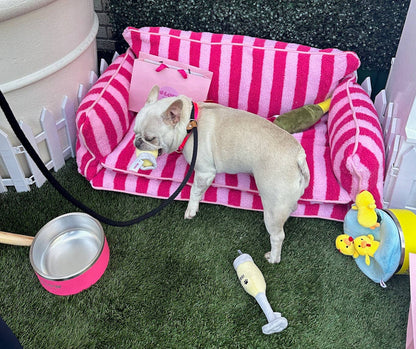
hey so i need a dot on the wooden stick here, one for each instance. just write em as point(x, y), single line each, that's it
point(15, 239)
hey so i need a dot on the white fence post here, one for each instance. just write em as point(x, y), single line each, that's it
point(52, 139)
point(69, 114)
point(103, 66)
point(38, 177)
point(116, 54)
point(17, 177)
point(93, 78)
point(380, 103)
point(81, 93)
point(388, 118)
point(366, 85)
point(3, 188)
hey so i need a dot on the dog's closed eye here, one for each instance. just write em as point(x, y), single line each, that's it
point(149, 139)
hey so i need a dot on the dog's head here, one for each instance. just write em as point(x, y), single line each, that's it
point(161, 124)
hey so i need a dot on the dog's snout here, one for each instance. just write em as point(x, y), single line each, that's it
point(138, 142)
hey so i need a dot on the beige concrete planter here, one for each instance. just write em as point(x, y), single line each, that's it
point(47, 49)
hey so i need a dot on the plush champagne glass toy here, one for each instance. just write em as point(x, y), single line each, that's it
point(254, 284)
point(146, 160)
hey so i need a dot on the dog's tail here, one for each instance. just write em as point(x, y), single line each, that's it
point(304, 171)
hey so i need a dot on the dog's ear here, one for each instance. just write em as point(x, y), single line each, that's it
point(153, 94)
point(173, 114)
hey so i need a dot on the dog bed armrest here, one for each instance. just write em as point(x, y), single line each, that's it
point(356, 141)
point(103, 117)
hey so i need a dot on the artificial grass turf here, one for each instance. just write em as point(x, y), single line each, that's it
point(170, 282)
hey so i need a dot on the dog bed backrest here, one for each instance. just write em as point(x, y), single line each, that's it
point(264, 77)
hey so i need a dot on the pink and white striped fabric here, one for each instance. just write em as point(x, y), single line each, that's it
point(355, 141)
point(262, 76)
point(237, 190)
point(103, 117)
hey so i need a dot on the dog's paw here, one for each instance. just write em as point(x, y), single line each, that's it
point(190, 213)
point(272, 259)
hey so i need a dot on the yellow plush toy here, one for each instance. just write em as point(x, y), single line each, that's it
point(360, 246)
point(146, 160)
point(365, 246)
point(254, 284)
point(345, 244)
point(366, 207)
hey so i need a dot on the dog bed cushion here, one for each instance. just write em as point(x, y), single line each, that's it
point(174, 166)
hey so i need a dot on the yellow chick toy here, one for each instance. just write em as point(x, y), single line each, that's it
point(345, 244)
point(365, 246)
point(360, 246)
point(366, 207)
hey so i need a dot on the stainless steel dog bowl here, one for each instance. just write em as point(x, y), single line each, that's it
point(67, 246)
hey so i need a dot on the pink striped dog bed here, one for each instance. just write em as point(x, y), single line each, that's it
point(345, 151)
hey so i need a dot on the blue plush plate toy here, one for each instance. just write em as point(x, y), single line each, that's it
point(379, 240)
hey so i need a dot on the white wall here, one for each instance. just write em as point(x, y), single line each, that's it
point(401, 84)
point(400, 121)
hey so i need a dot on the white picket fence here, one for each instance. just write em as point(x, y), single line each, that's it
point(400, 175)
point(400, 160)
point(51, 131)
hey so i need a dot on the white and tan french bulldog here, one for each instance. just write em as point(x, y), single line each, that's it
point(229, 141)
